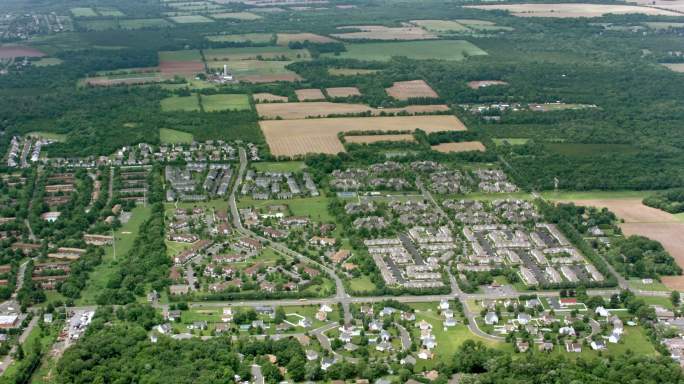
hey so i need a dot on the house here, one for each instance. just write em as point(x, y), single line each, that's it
point(222, 328)
point(546, 347)
point(532, 303)
point(385, 336)
point(311, 355)
point(408, 316)
point(164, 329)
point(425, 354)
point(524, 318)
point(340, 256)
point(618, 326)
point(567, 331)
point(321, 316)
point(267, 286)
point(567, 302)
point(387, 311)
point(491, 318)
point(345, 337)
point(573, 347)
point(614, 338)
point(249, 243)
point(443, 305)
point(424, 325)
point(47, 318)
point(179, 289)
point(429, 342)
point(327, 362)
point(326, 308)
point(375, 325)
point(598, 345)
point(323, 241)
point(450, 322)
point(304, 322)
point(602, 312)
point(173, 315)
point(383, 347)
point(522, 346)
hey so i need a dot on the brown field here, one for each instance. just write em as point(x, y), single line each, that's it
point(309, 94)
point(181, 68)
point(673, 5)
point(299, 137)
point(630, 210)
point(343, 91)
point(268, 97)
point(463, 146)
point(485, 83)
point(572, 10)
point(670, 236)
point(270, 78)
point(379, 32)
point(103, 81)
point(676, 67)
point(287, 38)
point(293, 111)
point(12, 51)
point(369, 139)
point(404, 90)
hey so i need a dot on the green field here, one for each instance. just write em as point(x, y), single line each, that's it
point(236, 16)
point(252, 37)
point(511, 141)
point(482, 25)
point(660, 25)
point(253, 53)
point(223, 102)
point(281, 166)
point(109, 12)
point(418, 50)
point(591, 195)
point(125, 237)
point(252, 67)
point(362, 284)
point(636, 284)
point(185, 55)
point(180, 103)
point(48, 135)
point(191, 19)
point(99, 25)
point(314, 207)
point(172, 136)
point(441, 25)
point(83, 12)
point(144, 23)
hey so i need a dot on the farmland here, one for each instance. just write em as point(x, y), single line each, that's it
point(12, 51)
point(236, 16)
point(343, 91)
point(404, 90)
point(379, 32)
point(242, 38)
point(254, 53)
point(180, 103)
point(222, 102)
point(289, 111)
point(310, 94)
point(459, 147)
point(257, 71)
point(675, 67)
point(419, 50)
point(268, 97)
point(369, 139)
point(571, 10)
point(299, 137)
point(191, 19)
point(287, 38)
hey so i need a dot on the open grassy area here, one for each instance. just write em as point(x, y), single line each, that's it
point(48, 135)
point(591, 195)
point(281, 166)
point(124, 241)
point(655, 286)
point(83, 12)
point(242, 38)
point(184, 55)
point(315, 208)
point(46, 62)
point(245, 53)
point(172, 136)
point(190, 19)
point(361, 284)
point(144, 23)
point(511, 141)
point(180, 103)
point(236, 16)
point(223, 102)
point(419, 50)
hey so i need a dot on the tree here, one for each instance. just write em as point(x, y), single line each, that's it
point(674, 298)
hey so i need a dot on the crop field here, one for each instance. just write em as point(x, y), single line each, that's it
point(510, 141)
point(404, 90)
point(299, 137)
point(342, 91)
point(185, 63)
point(379, 32)
point(190, 19)
point(309, 94)
point(130, 79)
point(419, 50)
point(482, 25)
point(257, 71)
point(670, 236)
point(254, 53)
point(12, 51)
point(180, 103)
point(83, 12)
point(485, 83)
point(172, 136)
point(98, 25)
point(185, 55)
point(571, 10)
point(109, 12)
point(292, 111)
point(212, 103)
point(441, 25)
point(351, 71)
point(463, 146)
point(287, 38)
point(243, 38)
point(369, 139)
point(144, 23)
point(236, 16)
point(661, 25)
point(268, 97)
point(631, 210)
point(675, 67)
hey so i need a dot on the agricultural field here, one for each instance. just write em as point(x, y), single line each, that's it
point(459, 26)
point(142, 77)
point(180, 103)
point(287, 38)
point(369, 139)
point(46, 62)
point(379, 32)
point(190, 19)
point(144, 23)
point(299, 137)
point(236, 16)
point(109, 12)
point(420, 50)
point(310, 94)
point(290, 111)
point(257, 71)
point(172, 136)
point(254, 53)
point(223, 102)
point(343, 91)
point(459, 147)
point(675, 67)
point(83, 12)
point(663, 25)
point(564, 10)
point(185, 55)
point(257, 38)
point(404, 90)
point(268, 97)
point(13, 51)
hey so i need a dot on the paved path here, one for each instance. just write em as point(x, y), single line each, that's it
point(257, 377)
point(405, 337)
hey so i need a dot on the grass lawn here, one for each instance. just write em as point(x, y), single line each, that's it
point(316, 208)
point(48, 135)
point(361, 284)
point(654, 300)
point(280, 166)
point(679, 216)
point(223, 102)
point(418, 50)
point(172, 136)
point(180, 103)
point(124, 241)
point(184, 55)
point(243, 38)
point(217, 204)
point(46, 62)
point(173, 248)
point(655, 286)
